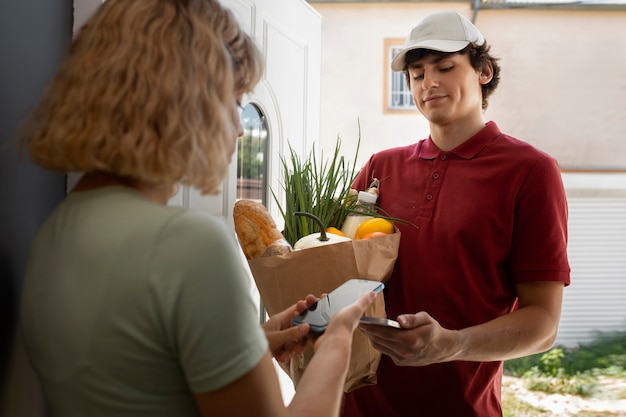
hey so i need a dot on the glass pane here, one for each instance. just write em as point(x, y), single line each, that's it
point(251, 155)
point(400, 97)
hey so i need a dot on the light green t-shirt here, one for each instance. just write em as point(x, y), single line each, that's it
point(128, 307)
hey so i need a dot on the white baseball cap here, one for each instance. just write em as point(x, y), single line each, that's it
point(444, 32)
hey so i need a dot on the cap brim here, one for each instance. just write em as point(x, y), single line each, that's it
point(397, 64)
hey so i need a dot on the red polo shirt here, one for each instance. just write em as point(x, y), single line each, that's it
point(486, 215)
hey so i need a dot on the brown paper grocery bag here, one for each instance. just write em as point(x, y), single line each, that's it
point(284, 279)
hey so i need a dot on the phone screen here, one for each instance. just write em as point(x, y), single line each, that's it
point(319, 314)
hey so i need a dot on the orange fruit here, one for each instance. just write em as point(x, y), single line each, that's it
point(335, 231)
point(374, 234)
point(376, 224)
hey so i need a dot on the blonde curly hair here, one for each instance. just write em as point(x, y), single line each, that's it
point(147, 92)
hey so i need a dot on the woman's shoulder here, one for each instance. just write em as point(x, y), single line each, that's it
point(194, 229)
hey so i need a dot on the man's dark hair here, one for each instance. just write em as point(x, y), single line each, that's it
point(478, 56)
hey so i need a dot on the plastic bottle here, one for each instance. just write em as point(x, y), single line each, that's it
point(366, 202)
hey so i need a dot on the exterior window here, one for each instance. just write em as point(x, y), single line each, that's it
point(398, 97)
point(251, 155)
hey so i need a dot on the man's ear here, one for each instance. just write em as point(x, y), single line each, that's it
point(486, 74)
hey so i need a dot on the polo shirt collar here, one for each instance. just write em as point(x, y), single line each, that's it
point(468, 149)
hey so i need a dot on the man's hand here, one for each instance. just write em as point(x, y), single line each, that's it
point(421, 341)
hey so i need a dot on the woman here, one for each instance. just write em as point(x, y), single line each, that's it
point(131, 307)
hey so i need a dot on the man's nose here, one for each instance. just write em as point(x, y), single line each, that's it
point(430, 80)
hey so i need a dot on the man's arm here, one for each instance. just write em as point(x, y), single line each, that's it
point(532, 328)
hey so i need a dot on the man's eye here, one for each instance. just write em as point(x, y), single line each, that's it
point(447, 69)
point(418, 76)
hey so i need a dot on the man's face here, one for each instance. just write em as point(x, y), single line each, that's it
point(446, 88)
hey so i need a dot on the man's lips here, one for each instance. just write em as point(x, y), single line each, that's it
point(433, 98)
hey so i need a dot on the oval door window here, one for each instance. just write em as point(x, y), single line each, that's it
point(252, 155)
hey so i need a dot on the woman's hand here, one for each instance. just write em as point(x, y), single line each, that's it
point(286, 340)
point(344, 323)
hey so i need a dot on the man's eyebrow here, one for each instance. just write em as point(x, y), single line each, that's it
point(434, 59)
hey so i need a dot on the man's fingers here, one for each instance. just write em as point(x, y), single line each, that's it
point(411, 321)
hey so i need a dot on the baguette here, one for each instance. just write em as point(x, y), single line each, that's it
point(256, 230)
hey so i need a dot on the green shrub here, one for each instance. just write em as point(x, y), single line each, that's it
point(606, 352)
point(583, 384)
point(573, 371)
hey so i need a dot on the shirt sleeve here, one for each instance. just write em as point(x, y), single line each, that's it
point(209, 317)
point(539, 248)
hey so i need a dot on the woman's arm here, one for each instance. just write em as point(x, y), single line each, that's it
point(286, 340)
point(257, 393)
point(320, 390)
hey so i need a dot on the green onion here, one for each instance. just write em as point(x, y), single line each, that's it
point(317, 187)
point(321, 188)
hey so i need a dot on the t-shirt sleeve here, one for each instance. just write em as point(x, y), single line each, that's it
point(208, 316)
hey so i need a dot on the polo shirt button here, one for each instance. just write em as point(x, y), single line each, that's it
point(429, 197)
point(444, 157)
point(436, 176)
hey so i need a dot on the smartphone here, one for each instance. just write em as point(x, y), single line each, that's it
point(320, 313)
point(380, 321)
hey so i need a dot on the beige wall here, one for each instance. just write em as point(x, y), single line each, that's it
point(563, 84)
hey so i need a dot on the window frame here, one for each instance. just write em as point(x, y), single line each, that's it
point(389, 45)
